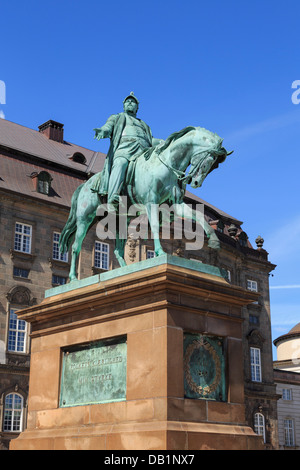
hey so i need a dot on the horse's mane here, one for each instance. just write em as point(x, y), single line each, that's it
point(173, 137)
point(164, 145)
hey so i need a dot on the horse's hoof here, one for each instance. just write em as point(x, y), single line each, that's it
point(214, 244)
point(121, 262)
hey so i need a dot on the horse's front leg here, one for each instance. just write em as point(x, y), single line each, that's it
point(185, 211)
point(74, 255)
point(72, 273)
point(153, 217)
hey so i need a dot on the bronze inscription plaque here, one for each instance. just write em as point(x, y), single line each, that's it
point(94, 373)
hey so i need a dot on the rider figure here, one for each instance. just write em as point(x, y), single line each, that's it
point(129, 136)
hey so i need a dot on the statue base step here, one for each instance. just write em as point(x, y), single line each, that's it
point(151, 435)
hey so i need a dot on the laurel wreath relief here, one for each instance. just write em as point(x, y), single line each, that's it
point(208, 389)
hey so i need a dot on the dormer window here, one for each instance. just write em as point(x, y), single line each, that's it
point(79, 158)
point(243, 237)
point(220, 226)
point(44, 182)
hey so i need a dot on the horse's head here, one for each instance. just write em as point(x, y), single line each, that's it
point(207, 156)
point(204, 146)
point(201, 170)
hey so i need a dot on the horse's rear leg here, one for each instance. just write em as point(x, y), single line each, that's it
point(81, 231)
point(119, 250)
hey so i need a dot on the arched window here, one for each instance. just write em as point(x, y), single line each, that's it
point(259, 425)
point(18, 330)
point(79, 158)
point(243, 237)
point(13, 413)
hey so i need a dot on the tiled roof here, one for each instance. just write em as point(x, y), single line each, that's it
point(293, 333)
point(35, 143)
point(295, 329)
point(15, 176)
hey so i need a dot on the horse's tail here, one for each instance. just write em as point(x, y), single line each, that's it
point(70, 227)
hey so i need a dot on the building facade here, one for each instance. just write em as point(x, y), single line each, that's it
point(39, 173)
point(287, 379)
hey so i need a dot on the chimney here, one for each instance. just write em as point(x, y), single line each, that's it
point(53, 130)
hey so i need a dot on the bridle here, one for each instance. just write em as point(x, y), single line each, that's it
point(194, 168)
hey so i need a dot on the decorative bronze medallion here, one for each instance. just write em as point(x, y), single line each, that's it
point(204, 367)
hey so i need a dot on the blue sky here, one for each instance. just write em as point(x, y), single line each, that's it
point(227, 66)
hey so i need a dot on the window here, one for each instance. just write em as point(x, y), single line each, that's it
point(220, 226)
point(255, 364)
point(286, 394)
point(253, 319)
point(79, 158)
point(16, 333)
point(150, 254)
point(19, 272)
point(252, 285)
point(56, 253)
point(259, 425)
point(44, 182)
point(289, 439)
point(23, 235)
point(101, 256)
point(13, 413)
point(243, 237)
point(58, 280)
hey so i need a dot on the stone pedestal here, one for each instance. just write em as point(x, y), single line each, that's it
point(168, 312)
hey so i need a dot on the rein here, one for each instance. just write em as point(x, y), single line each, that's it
point(181, 174)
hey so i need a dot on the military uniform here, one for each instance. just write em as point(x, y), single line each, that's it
point(129, 136)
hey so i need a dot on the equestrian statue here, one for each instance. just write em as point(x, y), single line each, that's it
point(148, 171)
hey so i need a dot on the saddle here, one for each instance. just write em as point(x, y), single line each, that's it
point(128, 179)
